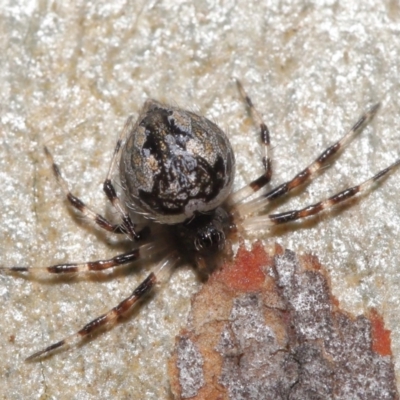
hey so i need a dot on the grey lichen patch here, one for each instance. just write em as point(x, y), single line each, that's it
point(301, 346)
point(333, 350)
point(308, 296)
point(190, 364)
point(248, 321)
point(254, 358)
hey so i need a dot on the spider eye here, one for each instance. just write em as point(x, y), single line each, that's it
point(210, 240)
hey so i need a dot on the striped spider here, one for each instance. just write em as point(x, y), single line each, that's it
point(176, 170)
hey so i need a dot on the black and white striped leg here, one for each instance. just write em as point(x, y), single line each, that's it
point(260, 222)
point(110, 318)
point(109, 189)
point(79, 204)
point(307, 174)
point(145, 251)
point(264, 179)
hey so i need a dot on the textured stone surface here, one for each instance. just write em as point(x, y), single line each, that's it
point(71, 73)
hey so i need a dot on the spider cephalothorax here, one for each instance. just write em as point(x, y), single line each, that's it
point(204, 236)
point(177, 170)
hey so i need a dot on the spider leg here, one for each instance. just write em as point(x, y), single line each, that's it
point(109, 189)
point(110, 318)
point(79, 204)
point(260, 222)
point(307, 174)
point(265, 178)
point(145, 251)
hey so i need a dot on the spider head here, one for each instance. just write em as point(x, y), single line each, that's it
point(209, 238)
point(204, 236)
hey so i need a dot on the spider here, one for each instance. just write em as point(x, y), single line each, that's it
point(176, 170)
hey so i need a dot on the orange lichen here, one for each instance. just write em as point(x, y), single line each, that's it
point(335, 301)
point(310, 262)
point(381, 342)
point(246, 273)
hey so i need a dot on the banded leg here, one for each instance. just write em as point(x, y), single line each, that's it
point(109, 319)
point(307, 174)
point(79, 204)
point(109, 189)
point(260, 222)
point(145, 251)
point(265, 178)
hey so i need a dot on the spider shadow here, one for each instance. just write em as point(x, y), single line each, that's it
point(127, 317)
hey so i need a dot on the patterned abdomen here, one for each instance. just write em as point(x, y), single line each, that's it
point(175, 164)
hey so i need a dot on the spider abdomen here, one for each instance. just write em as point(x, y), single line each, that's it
point(175, 164)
